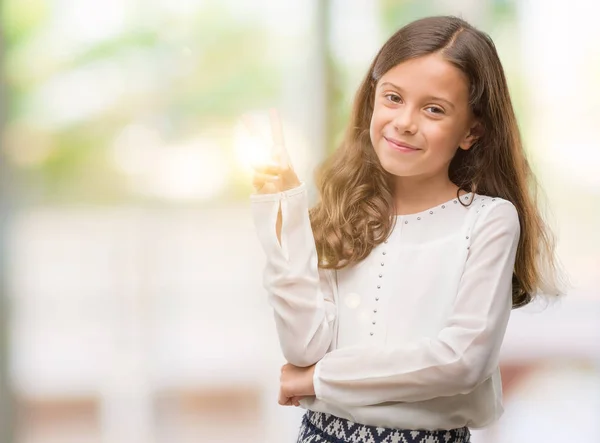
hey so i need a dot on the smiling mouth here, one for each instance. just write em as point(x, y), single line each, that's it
point(399, 146)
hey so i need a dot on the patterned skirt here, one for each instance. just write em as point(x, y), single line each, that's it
point(318, 427)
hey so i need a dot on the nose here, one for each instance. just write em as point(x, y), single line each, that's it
point(405, 121)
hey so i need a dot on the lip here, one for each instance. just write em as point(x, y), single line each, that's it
point(400, 146)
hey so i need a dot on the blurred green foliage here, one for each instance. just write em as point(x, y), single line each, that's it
point(203, 69)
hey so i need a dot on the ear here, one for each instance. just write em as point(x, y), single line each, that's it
point(475, 132)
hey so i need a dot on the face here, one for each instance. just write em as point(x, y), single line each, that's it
point(421, 117)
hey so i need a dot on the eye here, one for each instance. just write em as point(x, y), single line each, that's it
point(435, 110)
point(394, 98)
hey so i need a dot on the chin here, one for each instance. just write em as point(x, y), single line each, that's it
point(399, 171)
point(396, 167)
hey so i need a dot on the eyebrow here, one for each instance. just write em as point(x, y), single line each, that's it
point(398, 88)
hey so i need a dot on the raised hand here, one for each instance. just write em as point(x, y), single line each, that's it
point(278, 175)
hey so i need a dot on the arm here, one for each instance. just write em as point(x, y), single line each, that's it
point(300, 294)
point(465, 352)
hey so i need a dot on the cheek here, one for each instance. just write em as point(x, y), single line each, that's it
point(373, 130)
point(441, 138)
point(378, 121)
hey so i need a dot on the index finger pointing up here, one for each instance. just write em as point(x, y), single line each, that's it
point(280, 153)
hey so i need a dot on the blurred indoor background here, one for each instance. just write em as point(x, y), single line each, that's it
point(131, 305)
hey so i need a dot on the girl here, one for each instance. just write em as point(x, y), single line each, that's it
point(392, 295)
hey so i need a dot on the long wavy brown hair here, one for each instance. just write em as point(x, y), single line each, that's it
point(356, 200)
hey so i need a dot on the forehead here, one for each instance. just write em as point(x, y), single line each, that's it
point(429, 75)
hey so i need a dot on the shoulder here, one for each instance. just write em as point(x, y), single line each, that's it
point(495, 211)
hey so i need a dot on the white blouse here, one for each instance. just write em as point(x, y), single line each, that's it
point(409, 338)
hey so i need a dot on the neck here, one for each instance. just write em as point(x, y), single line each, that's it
point(415, 194)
